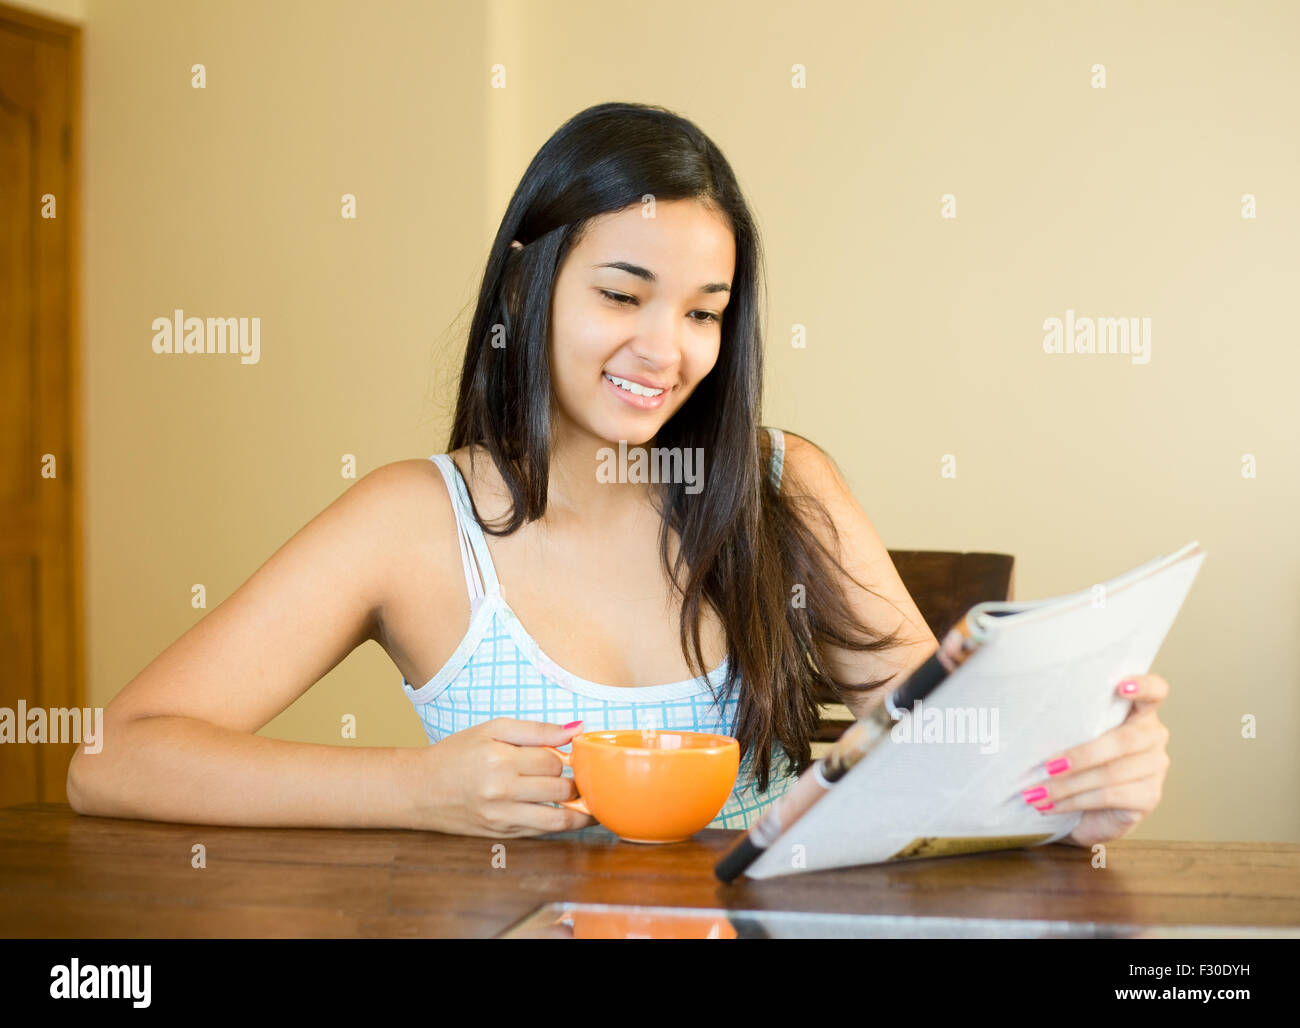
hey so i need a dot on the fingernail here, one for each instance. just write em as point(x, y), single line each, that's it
point(1045, 806)
point(1058, 765)
point(1128, 686)
point(1031, 795)
point(572, 724)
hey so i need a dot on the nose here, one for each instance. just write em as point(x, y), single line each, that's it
point(659, 347)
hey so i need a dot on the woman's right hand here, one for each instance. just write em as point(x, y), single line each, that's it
point(495, 779)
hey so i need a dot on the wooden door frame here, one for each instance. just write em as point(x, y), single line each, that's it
point(54, 759)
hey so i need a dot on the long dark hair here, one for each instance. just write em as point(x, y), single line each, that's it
point(745, 546)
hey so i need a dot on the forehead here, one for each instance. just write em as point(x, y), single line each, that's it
point(683, 235)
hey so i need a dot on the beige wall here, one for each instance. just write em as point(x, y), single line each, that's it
point(1122, 202)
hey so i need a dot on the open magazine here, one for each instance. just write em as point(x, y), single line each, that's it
point(947, 778)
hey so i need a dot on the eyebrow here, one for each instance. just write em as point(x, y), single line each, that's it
point(650, 276)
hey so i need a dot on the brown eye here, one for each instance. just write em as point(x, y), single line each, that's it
point(625, 301)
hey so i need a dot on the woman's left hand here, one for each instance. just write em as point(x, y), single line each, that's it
point(1117, 778)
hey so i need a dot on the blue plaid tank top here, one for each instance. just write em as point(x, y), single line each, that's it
point(498, 670)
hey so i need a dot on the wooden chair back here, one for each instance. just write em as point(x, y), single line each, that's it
point(944, 585)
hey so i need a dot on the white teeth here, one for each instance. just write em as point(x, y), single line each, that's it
point(632, 387)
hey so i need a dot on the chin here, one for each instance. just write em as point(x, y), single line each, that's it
point(632, 435)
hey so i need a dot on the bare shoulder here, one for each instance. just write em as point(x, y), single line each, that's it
point(483, 479)
point(411, 497)
point(807, 468)
point(408, 500)
point(811, 471)
point(403, 478)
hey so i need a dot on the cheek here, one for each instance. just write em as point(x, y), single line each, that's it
point(701, 361)
point(580, 345)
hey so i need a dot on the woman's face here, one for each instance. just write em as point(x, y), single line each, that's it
point(657, 325)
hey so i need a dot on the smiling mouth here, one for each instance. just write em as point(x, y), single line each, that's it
point(633, 388)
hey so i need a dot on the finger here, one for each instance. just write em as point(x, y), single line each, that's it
point(1120, 771)
point(1149, 692)
point(1141, 795)
point(515, 818)
point(535, 760)
point(541, 789)
point(1133, 736)
point(531, 733)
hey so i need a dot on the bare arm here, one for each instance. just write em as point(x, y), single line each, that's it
point(178, 742)
point(865, 557)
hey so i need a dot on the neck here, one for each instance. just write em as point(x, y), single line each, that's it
point(576, 496)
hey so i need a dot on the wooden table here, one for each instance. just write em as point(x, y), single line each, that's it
point(63, 875)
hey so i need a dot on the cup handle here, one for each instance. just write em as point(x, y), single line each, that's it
point(579, 804)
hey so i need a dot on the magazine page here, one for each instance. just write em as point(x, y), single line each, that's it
point(949, 777)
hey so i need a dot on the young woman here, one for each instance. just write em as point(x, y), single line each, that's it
point(619, 305)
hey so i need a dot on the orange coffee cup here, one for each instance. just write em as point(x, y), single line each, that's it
point(651, 785)
point(645, 924)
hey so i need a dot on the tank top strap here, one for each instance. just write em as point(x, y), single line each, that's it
point(778, 454)
point(483, 580)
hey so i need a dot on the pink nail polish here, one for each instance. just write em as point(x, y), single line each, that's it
point(1044, 806)
point(1128, 686)
point(572, 724)
point(1058, 765)
point(1032, 795)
